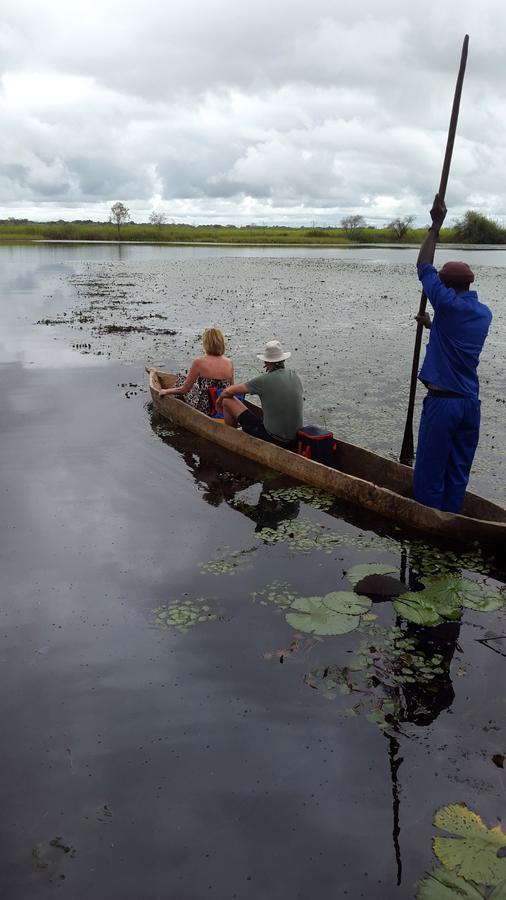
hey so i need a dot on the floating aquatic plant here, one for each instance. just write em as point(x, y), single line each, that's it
point(426, 559)
point(302, 535)
point(277, 593)
point(443, 885)
point(472, 850)
point(336, 613)
point(386, 664)
point(314, 497)
point(164, 432)
point(357, 573)
point(183, 614)
point(228, 562)
point(443, 598)
point(473, 858)
point(306, 536)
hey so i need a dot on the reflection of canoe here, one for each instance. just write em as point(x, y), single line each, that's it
point(363, 478)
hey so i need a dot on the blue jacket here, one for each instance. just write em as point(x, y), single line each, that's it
point(458, 332)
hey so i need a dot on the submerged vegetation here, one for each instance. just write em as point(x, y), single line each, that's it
point(473, 228)
point(183, 614)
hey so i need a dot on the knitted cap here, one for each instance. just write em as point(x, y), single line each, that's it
point(456, 273)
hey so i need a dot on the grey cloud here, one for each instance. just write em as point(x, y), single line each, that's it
point(100, 177)
point(294, 105)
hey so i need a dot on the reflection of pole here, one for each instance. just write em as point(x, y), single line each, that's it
point(404, 565)
point(395, 762)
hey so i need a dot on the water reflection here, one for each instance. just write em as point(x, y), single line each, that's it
point(409, 700)
point(420, 701)
point(400, 673)
point(219, 483)
point(221, 476)
point(425, 700)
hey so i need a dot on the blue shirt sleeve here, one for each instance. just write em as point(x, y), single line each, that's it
point(437, 293)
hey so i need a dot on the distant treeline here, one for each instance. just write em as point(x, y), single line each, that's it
point(473, 228)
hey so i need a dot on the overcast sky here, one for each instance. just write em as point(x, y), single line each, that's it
point(272, 111)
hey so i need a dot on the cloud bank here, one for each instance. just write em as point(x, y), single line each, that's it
point(283, 112)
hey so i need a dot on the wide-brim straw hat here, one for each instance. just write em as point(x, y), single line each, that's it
point(273, 353)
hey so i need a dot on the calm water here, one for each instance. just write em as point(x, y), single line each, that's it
point(209, 748)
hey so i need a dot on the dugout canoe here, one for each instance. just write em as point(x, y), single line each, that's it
point(361, 477)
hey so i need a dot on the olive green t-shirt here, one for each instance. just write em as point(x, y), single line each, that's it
point(281, 394)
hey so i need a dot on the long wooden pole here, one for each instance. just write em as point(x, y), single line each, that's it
point(407, 449)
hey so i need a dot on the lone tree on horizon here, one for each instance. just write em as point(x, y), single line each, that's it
point(120, 214)
point(400, 226)
point(157, 218)
point(351, 225)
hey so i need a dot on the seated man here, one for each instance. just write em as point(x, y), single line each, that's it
point(450, 422)
point(280, 391)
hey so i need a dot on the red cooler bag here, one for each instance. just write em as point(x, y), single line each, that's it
point(317, 444)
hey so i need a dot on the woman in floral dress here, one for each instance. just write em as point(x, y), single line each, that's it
point(212, 370)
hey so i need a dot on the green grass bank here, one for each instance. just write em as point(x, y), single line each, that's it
point(23, 230)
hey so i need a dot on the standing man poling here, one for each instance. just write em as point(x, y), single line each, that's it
point(450, 422)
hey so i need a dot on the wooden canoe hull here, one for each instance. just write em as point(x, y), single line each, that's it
point(364, 478)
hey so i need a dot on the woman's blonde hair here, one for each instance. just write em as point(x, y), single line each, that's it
point(213, 341)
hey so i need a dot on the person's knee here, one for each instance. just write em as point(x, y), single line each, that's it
point(230, 412)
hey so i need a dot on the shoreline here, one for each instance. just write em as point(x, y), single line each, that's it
point(350, 245)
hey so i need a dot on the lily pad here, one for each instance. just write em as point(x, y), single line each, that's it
point(357, 573)
point(472, 851)
point(499, 893)
point(412, 607)
point(335, 613)
point(443, 885)
point(443, 598)
point(439, 600)
point(476, 597)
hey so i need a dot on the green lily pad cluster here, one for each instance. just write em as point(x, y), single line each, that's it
point(386, 662)
point(444, 598)
point(396, 659)
point(164, 432)
point(302, 535)
point(312, 496)
point(183, 614)
point(338, 612)
point(228, 562)
point(473, 858)
point(426, 559)
point(277, 594)
point(306, 536)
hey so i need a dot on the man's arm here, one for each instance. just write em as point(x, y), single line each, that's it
point(428, 248)
point(231, 391)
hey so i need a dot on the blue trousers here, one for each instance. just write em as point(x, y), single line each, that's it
point(447, 441)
